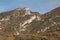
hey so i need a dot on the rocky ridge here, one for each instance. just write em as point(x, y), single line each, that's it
point(24, 21)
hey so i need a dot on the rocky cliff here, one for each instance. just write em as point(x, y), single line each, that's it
point(22, 21)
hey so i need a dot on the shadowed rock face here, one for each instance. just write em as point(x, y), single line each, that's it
point(23, 21)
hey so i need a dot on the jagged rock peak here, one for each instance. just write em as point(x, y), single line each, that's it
point(25, 9)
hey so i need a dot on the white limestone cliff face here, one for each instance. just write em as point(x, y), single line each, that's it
point(23, 26)
point(26, 10)
point(29, 21)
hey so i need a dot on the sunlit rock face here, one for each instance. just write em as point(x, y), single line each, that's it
point(24, 21)
point(25, 10)
point(18, 21)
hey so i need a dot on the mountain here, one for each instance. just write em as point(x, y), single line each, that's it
point(23, 24)
point(17, 20)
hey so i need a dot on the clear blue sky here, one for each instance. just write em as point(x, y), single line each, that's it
point(41, 6)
